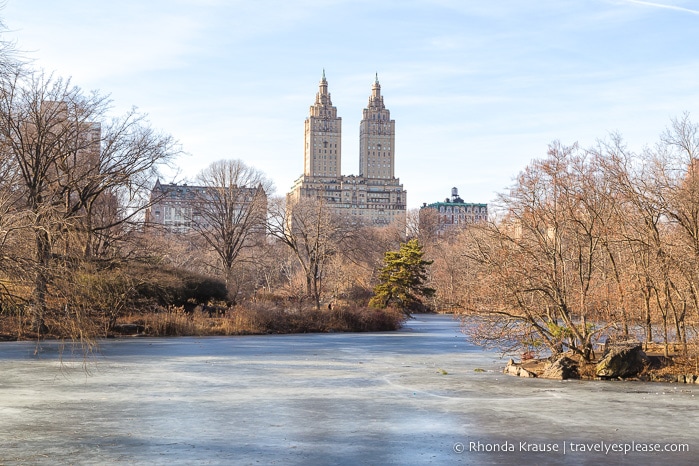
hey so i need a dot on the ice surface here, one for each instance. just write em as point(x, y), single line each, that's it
point(406, 397)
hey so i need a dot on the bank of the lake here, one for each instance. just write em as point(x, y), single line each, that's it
point(630, 361)
point(206, 320)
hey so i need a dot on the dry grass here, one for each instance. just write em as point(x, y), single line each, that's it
point(259, 319)
point(255, 320)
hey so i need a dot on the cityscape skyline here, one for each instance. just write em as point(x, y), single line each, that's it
point(477, 91)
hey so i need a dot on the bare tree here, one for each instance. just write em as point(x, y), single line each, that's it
point(412, 223)
point(353, 274)
point(313, 233)
point(675, 188)
point(230, 210)
point(450, 274)
point(114, 192)
point(14, 223)
point(428, 226)
point(539, 271)
point(588, 242)
point(50, 133)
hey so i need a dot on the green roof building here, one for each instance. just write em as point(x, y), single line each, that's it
point(453, 212)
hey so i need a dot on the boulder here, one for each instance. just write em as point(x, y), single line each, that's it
point(518, 371)
point(525, 373)
point(561, 369)
point(621, 360)
point(511, 368)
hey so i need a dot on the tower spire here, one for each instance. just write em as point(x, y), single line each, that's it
point(376, 100)
point(323, 96)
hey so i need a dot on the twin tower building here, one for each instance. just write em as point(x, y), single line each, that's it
point(374, 196)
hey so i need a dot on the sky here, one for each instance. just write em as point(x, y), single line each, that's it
point(478, 89)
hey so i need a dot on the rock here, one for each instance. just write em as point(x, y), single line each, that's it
point(622, 360)
point(511, 368)
point(525, 373)
point(518, 371)
point(656, 361)
point(689, 378)
point(561, 369)
point(667, 378)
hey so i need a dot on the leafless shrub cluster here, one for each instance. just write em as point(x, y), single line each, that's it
point(256, 319)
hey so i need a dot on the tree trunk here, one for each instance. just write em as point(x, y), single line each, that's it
point(41, 278)
point(649, 328)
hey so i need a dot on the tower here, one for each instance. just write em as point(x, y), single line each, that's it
point(377, 136)
point(322, 136)
point(375, 196)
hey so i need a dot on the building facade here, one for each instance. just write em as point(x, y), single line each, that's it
point(453, 212)
point(374, 196)
point(173, 207)
point(181, 208)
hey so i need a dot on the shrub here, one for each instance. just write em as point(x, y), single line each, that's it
point(261, 319)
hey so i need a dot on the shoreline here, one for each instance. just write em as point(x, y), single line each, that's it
point(659, 368)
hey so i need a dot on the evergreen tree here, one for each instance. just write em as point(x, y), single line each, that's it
point(403, 278)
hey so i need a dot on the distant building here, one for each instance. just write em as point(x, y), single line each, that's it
point(454, 212)
point(174, 207)
point(374, 196)
point(180, 208)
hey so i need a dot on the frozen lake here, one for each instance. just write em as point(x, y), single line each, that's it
point(406, 397)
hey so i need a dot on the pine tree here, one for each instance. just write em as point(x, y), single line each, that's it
point(403, 278)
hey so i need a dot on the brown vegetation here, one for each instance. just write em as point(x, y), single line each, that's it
point(260, 319)
point(95, 300)
point(238, 320)
point(588, 244)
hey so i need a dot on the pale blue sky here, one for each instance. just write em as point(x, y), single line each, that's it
point(477, 88)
